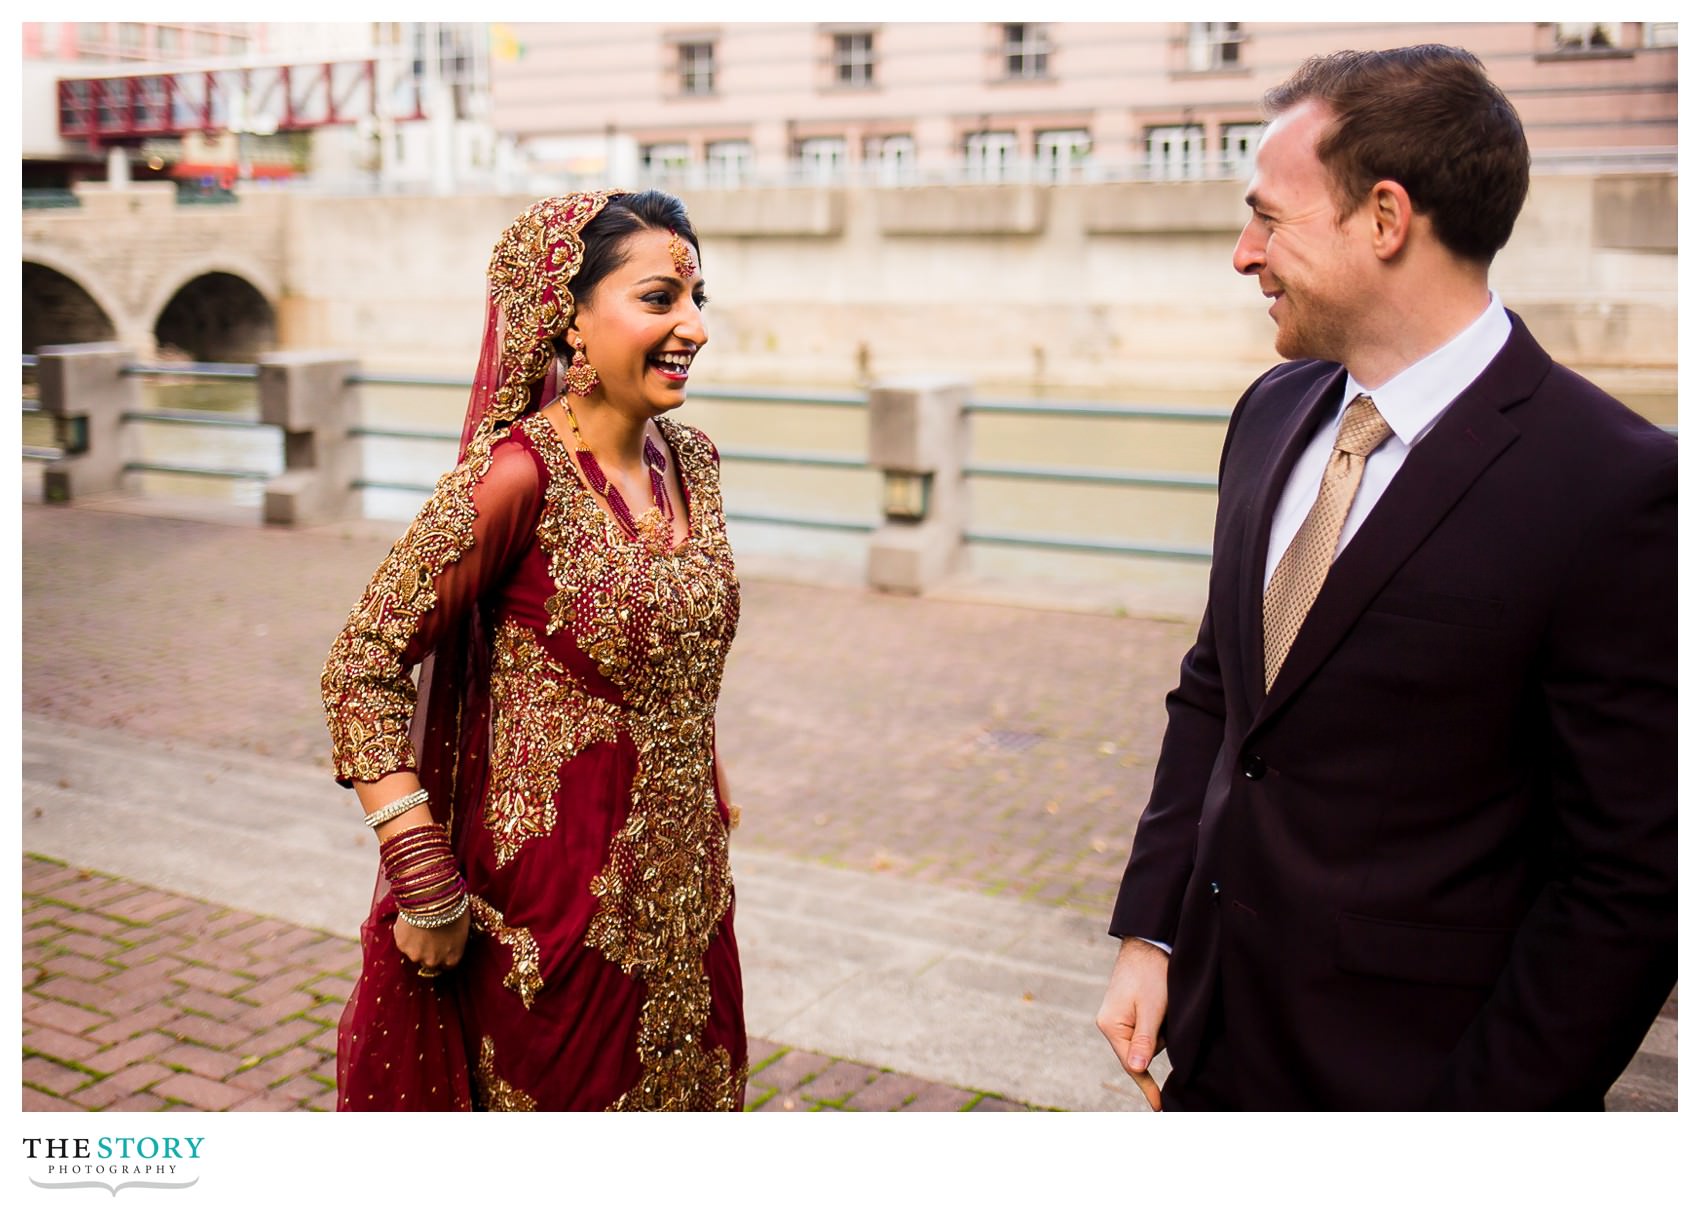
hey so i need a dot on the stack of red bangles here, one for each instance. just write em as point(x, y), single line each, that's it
point(423, 876)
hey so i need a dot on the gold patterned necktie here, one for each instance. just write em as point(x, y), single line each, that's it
point(1304, 565)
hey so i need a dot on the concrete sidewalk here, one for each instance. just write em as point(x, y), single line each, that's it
point(938, 798)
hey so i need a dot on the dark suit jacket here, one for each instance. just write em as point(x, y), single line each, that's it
point(1436, 865)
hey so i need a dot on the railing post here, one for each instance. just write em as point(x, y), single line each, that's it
point(85, 390)
point(918, 439)
point(308, 397)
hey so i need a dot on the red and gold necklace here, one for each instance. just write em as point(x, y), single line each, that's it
point(654, 527)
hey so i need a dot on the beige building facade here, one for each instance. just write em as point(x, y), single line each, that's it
point(732, 104)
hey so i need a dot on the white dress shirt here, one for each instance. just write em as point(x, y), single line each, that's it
point(1411, 402)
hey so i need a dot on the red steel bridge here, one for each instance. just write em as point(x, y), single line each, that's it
point(122, 107)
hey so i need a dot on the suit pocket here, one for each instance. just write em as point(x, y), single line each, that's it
point(1420, 952)
point(1434, 607)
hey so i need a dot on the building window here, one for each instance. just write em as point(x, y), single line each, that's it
point(74, 105)
point(822, 160)
point(1658, 33)
point(893, 158)
point(1174, 153)
point(853, 59)
point(991, 155)
point(170, 39)
point(150, 104)
point(109, 104)
point(1587, 35)
point(1026, 51)
point(696, 68)
point(727, 162)
point(91, 36)
point(1063, 154)
point(1212, 45)
point(1239, 148)
point(666, 162)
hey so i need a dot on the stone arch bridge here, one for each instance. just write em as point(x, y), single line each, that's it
point(133, 266)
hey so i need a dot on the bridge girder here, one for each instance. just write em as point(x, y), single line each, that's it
point(114, 108)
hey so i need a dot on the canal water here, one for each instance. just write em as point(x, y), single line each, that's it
point(1161, 517)
point(1164, 517)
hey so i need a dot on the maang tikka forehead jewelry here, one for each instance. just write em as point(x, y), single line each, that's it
point(684, 257)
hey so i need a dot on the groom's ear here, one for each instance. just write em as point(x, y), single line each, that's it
point(1391, 216)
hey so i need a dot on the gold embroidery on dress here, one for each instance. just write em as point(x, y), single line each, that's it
point(543, 716)
point(368, 696)
point(525, 978)
point(497, 1094)
point(658, 625)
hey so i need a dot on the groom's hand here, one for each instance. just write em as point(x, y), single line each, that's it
point(1131, 1018)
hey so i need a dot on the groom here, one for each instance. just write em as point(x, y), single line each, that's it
point(1412, 838)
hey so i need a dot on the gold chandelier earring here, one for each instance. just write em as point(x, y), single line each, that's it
point(581, 377)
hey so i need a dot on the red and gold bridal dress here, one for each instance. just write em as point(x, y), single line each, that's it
point(568, 742)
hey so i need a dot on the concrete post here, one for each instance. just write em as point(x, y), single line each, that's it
point(308, 396)
point(85, 390)
point(918, 439)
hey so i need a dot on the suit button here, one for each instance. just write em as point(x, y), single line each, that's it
point(1215, 891)
point(1255, 767)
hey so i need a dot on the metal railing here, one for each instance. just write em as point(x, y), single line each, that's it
point(1114, 477)
point(777, 457)
point(821, 460)
point(814, 459)
point(46, 199)
point(200, 418)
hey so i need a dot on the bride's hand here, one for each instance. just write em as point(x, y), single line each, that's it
point(438, 948)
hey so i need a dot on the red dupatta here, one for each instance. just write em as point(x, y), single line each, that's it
point(400, 1045)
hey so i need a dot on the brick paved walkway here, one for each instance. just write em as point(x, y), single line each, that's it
point(997, 749)
point(139, 1000)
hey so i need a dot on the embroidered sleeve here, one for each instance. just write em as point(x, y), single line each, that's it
point(461, 543)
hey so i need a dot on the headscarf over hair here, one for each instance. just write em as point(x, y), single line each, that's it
point(530, 304)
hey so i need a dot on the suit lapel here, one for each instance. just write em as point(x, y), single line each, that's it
point(1440, 469)
point(1284, 452)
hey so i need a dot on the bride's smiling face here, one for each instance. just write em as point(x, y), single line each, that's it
point(643, 324)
